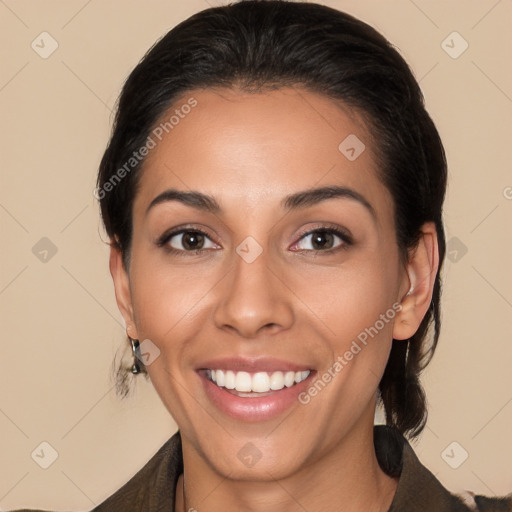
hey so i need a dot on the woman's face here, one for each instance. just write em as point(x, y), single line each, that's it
point(270, 285)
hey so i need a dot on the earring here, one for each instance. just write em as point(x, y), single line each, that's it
point(136, 355)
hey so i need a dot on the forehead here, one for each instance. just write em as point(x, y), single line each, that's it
point(247, 149)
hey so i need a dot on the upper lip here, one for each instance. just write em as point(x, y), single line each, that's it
point(252, 365)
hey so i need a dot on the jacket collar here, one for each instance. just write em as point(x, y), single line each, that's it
point(418, 489)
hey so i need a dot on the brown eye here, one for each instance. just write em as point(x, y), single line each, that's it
point(322, 240)
point(192, 240)
point(187, 240)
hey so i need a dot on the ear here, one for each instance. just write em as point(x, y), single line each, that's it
point(122, 289)
point(421, 271)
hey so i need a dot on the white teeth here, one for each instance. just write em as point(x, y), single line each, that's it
point(260, 382)
point(229, 379)
point(243, 381)
point(289, 379)
point(276, 381)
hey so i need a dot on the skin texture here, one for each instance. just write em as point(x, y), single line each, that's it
point(295, 301)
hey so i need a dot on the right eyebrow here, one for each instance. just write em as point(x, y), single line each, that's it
point(194, 199)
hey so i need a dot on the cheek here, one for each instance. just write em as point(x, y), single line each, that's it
point(351, 298)
point(356, 305)
point(164, 300)
point(359, 315)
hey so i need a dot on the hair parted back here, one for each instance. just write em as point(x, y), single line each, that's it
point(257, 45)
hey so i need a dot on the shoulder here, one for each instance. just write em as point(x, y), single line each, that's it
point(418, 489)
point(153, 486)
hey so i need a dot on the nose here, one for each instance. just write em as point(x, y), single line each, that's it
point(254, 299)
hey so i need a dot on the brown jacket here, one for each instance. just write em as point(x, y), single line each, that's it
point(152, 489)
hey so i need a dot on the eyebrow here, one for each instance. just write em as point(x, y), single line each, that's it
point(296, 201)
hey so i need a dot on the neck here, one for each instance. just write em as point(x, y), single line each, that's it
point(347, 478)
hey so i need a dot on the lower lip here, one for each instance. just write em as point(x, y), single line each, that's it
point(254, 409)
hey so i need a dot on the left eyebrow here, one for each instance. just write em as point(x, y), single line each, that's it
point(314, 196)
point(298, 200)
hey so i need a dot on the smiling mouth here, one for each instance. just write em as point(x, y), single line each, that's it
point(258, 384)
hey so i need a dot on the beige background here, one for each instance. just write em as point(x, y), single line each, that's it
point(60, 326)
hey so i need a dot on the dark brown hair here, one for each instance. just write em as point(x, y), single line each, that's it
point(255, 45)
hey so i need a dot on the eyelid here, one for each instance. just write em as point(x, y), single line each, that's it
point(343, 233)
point(340, 231)
point(178, 230)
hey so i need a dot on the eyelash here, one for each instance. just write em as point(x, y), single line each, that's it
point(342, 234)
point(164, 240)
point(345, 237)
